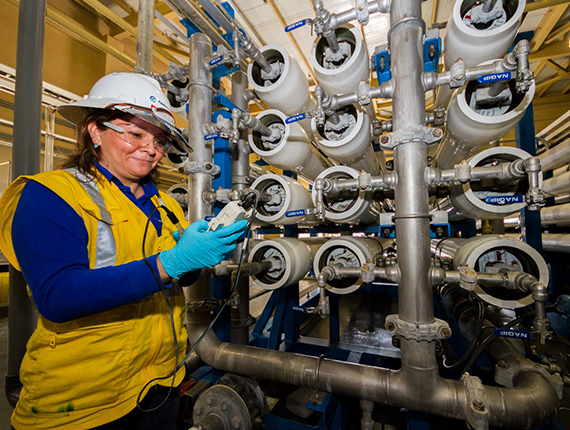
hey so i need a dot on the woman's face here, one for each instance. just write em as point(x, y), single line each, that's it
point(129, 155)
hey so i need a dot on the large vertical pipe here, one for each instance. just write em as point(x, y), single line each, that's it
point(199, 113)
point(410, 161)
point(240, 180)
point(145, 35)
point(25, 161)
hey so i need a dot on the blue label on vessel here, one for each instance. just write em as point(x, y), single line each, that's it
point(215, 60)
point(299, 309)
point(295, 118)
point(295, 25)
point(495, 77)
point(516, 334)
point(212, 136)
point(209, 218)
point(298, 212)
point(504, 200)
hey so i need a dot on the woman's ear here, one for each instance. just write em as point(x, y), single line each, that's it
point(95, 133)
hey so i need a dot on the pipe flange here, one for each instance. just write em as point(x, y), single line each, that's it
point(428, 135)
point(199, 167)
point(505, 373)
point(419, 332)
point(477, 409)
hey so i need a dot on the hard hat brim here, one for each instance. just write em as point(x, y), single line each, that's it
point(76, 111)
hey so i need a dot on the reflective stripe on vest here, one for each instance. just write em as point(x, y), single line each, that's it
point(106, 248)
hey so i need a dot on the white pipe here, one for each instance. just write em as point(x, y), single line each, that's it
point(556, 242)
point(495, 253)
point(559, 214)
point(557, 185)
point(350, 207)
point(342, 78)
point(555, 157)
point(468, 198)
point(347, 251)
point(293, 256)
point(289, 195)
point(467, 130)
point(292, 152)
point(352, 147)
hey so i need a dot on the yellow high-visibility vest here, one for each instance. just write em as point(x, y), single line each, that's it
point(87, 372)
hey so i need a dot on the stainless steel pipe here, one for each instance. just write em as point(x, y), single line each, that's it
point(200, 94)
point(240, 180)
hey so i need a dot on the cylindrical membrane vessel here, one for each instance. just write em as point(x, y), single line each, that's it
point(469, 198)
point(293, 255)
point(292, 151)
point(350, 144)
point(289, 195)
point(348, 206)
point(289, 91)
point(495, 254)
point(474, 118)
point(474, 38)
point(348, 251)
point(341, 72)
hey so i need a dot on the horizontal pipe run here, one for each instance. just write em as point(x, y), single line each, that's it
point(557, 185)
point(532, 402)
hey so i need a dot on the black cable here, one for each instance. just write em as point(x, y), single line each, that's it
point(173, 327)
point(492, 337)
point(210, 326)
point(465, 357)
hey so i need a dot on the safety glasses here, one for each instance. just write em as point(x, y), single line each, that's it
point(138, 137)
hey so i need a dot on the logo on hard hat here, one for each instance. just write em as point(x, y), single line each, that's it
point(158, 102)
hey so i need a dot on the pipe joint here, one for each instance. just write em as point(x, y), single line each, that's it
point(507, 372)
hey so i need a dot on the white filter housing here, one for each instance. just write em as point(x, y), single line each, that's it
point(290, 196)
point(348, 251)
point(466, 129)
point(353, 207)
point(471, 203)
point(293, 152)
point(345, 77)
point(294, 255)
point(475, 45)
point(290, 92)
point(495, 254)
point(354, 148)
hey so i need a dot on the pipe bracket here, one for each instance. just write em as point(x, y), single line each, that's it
point(477, 409)
point(419, 332)
point(429, 135)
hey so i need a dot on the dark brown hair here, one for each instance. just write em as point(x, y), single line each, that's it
point(86, 154)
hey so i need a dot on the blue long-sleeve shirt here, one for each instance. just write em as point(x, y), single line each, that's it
point(50, 241)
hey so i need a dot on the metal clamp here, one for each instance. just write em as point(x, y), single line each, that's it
point(505, 373)
point(439, 329)
point(362, 13)
point(462, 173)
point(363, 93)
point(317, 397)
point(367, 274)
point(467, 278)
point(199, 167)
point(477, 410)
point(428, 135)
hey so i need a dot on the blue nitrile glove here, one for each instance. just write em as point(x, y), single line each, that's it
point(199, 248)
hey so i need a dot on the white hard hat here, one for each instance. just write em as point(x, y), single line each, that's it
point(132, 93)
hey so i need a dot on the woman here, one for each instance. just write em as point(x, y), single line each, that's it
point(94, 241)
